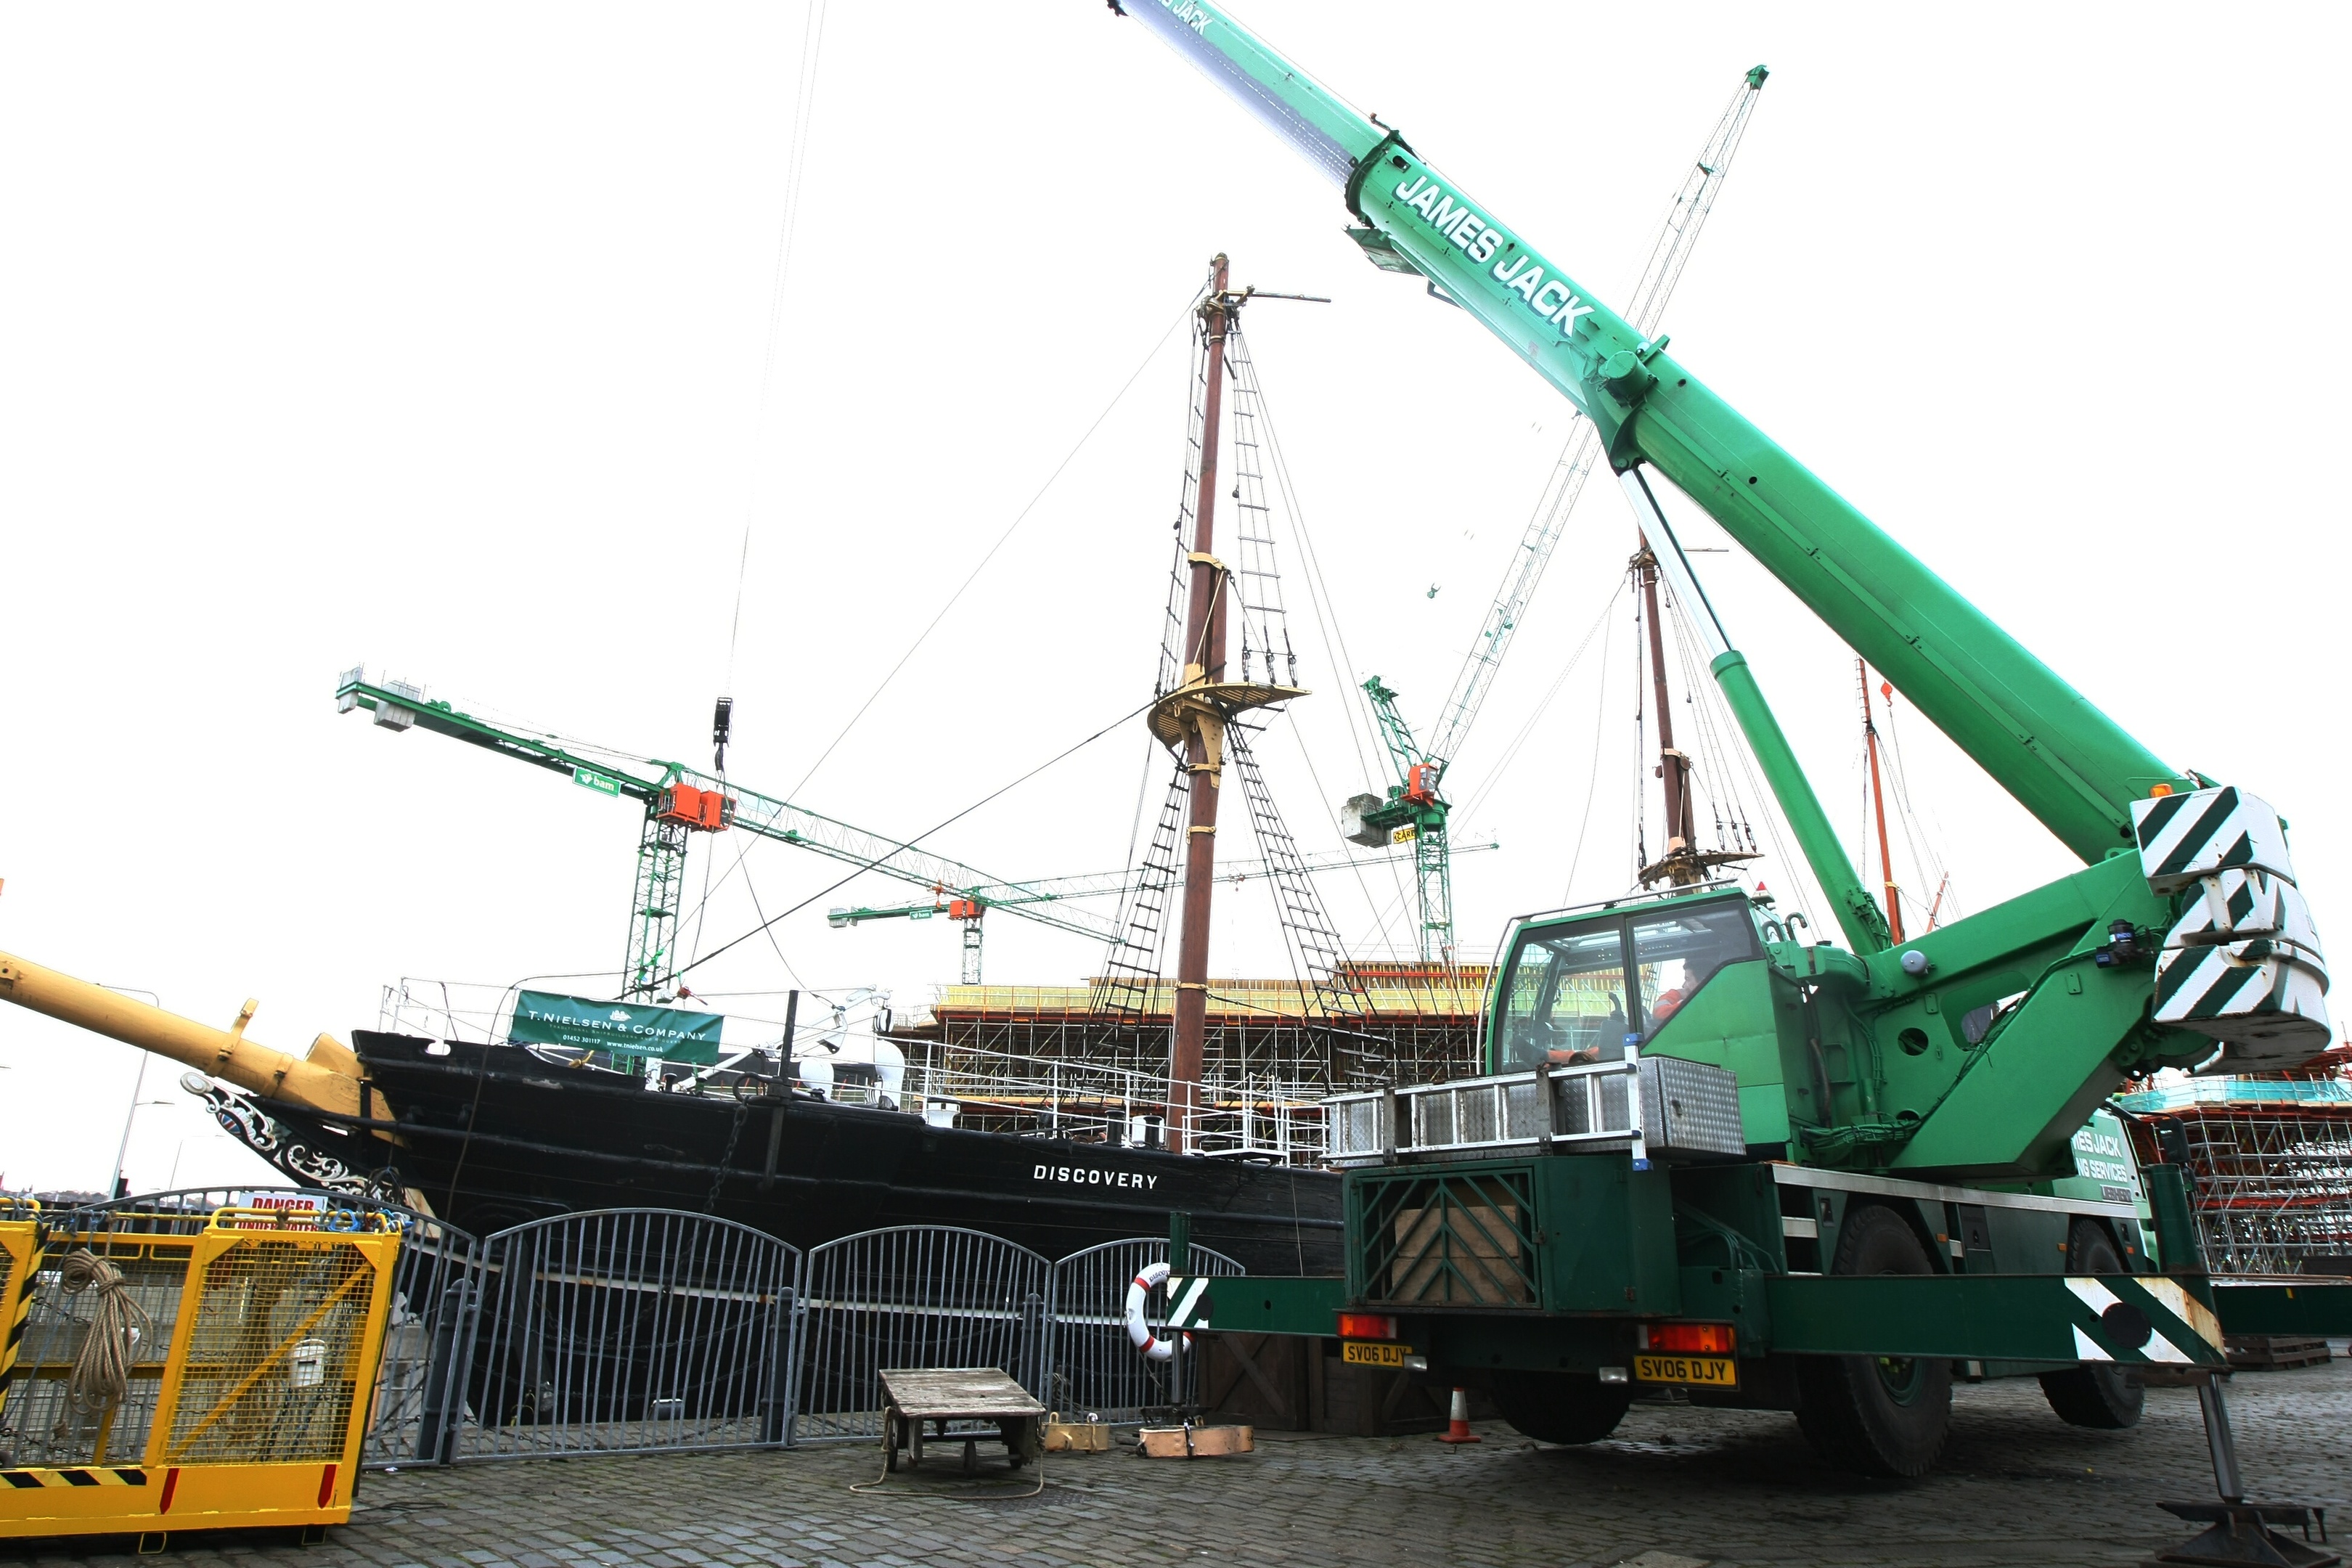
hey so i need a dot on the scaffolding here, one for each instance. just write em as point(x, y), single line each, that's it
point(1420, 1023)
point(2271, 1162)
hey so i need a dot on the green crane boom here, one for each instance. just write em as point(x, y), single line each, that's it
point(2067, 762)
point(1417, 804)
point(679, 801)
point(1983, 1046)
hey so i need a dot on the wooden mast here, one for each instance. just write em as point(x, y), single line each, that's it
point(1878, 804)
point(1191, 720)
point(1682, 862)
point(1205, 664)
point(1673, 767)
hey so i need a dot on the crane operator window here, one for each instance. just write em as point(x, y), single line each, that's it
point(1564, 999)
point(1676, 952)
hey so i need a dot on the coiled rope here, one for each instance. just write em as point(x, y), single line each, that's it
point(102, 1369)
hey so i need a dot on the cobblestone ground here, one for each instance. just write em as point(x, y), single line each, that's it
point(1674, 1488)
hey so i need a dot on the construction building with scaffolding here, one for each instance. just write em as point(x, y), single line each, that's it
point(2272, 1158)
point(1013, 1055)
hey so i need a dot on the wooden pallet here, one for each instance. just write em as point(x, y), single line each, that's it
point(2275, 1352)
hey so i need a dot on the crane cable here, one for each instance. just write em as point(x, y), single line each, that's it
point(1526, 730)
point(787, 225)
point(795, 172)
point(1914, 830)
point(766, 923)
point(727, 875)
point(1019, 518)
point(1593, 784)
point(1335, 648)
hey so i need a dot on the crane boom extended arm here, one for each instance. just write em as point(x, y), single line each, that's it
point(2069, 764)
point(1580, 453)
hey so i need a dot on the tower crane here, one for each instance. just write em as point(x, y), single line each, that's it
point(681, 802)
point(967, 906)
point(1415, 809)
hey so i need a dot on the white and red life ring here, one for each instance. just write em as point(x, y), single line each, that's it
point(1149, 1346)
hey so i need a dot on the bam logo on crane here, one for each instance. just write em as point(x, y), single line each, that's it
point(1478, 240)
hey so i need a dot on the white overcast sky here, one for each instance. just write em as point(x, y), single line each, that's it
point(433, 337)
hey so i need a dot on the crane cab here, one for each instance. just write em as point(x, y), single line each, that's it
point(1703, 976)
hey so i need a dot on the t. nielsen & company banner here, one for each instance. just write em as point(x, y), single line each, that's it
point(624, 1028)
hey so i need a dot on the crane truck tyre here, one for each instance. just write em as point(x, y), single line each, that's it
point(1560, 1406)
point(1149, 1346)
point(2102, 1395)
point(1883, 1416)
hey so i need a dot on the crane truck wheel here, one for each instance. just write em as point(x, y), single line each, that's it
point(2102, 1395)
point(1883, 1416)
point(1560, 1406)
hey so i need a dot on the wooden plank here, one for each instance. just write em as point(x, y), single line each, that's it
point(967, 1393)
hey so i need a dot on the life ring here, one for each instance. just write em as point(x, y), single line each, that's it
point(1147, 1344)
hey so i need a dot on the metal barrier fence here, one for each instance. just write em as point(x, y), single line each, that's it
point(1096, 1369)
point(630, 1330)
point(633, 1330)
point(913, 1296)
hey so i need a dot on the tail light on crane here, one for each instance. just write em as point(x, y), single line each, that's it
point(1689, 1339)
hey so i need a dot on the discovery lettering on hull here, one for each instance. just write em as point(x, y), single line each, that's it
point(1089, 1177)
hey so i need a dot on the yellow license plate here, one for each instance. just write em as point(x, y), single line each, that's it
point(1364, 1352)
point(1702, 1371)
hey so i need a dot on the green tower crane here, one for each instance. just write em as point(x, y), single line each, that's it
point(681, 802)
point(972, 904)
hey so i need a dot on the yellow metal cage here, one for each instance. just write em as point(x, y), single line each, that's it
point(251, 1412)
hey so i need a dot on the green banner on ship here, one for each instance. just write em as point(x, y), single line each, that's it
point(624, 1028)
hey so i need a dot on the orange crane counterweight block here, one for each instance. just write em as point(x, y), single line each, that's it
point(703, 810)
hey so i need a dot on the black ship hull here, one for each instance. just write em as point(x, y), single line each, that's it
point(493, 1136)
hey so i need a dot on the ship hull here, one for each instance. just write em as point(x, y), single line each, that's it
point(492, 1136)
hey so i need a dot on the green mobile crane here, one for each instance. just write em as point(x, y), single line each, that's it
point(1714, 1152)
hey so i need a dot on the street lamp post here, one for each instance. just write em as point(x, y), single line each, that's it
point(123, 1150)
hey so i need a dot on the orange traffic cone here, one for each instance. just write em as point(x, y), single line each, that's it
point(1458, 1422)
